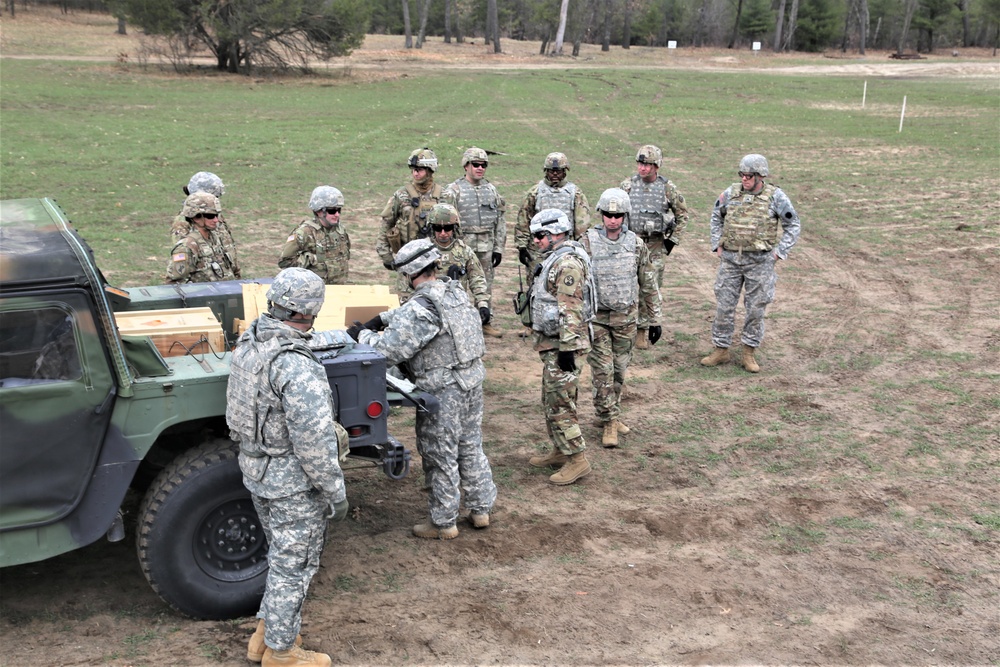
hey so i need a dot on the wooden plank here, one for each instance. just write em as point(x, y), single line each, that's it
point(176, 331)
point(340, 301)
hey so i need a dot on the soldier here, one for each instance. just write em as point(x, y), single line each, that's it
point(280, 409)
point(206, 181)
point(659, 216)
point(481, 209)
point(562, 306)
point(200, 257)
point(438, 334)
point(458, 260)
point(625, 277)
point(404, 217)
point(744, 230)
point(321, 244)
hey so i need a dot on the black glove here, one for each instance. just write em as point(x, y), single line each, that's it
point(655, 331)
point(567, 361)
point(523, 256)
point(496, 259)
point(668, 245)
point(455, 272)
point(484, 314)
point(338, 511)
point(388, 264)
point(354, 330)
point(375, 323)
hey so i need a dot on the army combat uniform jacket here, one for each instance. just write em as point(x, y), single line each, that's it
point(195, 259)
point(324, 251)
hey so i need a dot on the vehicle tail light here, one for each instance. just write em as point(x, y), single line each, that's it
point(375, 409)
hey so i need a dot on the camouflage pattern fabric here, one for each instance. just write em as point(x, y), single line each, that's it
point(483, 228)
point(196, 259)
point(757, 218)
point(325, 252)
point(566, 281)
point(474, 281)
point(579, 216)
point(181, 228)
point(406, 212)
point(559, 394)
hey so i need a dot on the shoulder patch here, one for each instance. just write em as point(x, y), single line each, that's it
point(291, 237)
point(178, 257)
point(569, 281)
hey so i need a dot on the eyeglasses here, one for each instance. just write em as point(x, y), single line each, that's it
point(540, 235)
point(556, 169)
point(614, 216)
point(207, 216)
point(479, 165)
point(443, 228)
point(332, 210)
point(744, 174)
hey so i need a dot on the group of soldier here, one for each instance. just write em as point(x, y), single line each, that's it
point(593, 291)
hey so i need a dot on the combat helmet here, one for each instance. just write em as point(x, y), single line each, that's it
point(423, 157)
point(295, 290)
point(444, 214)
point(201, 202)
point(649, 154)
point(614, 200)
point(551, 221)
point(325, 196)
point(556, 161)
point(754, 164)
point(206, 181)
point(416, 256)
point(475, 155)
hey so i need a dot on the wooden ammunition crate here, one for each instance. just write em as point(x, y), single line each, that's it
point(343, 304)
point(176, 332)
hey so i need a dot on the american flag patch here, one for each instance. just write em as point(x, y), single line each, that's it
point(290, 238)
point(179, 257)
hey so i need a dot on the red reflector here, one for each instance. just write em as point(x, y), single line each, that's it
point(375, 409)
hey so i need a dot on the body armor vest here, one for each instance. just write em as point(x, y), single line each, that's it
point(545, 306)
point(749, 224)
point(416, 210)
point(650, 213)
point(478, 206)
point(563, 198)
point(455, 354)
point(615, 265)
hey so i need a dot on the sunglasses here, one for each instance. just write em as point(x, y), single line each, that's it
point(614, 216)
point(207, 216)
point(332, 210)
point(479, 165)
point(744, 174)
point(443, 228)
point(540, 235)
point(556, 170)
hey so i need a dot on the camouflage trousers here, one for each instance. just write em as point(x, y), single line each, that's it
point(486, 259)
point(295, 527)
point(610, 353)
point(451, 445)
point(337, 272)
point(658, 258)
point(752, 272)
point(559, 394)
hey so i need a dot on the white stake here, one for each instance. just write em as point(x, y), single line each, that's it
point(902, 114)
point(864, 95)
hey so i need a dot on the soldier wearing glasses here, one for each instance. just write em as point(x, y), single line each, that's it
point(320, 244)
point(201, 256)
point(206, 181)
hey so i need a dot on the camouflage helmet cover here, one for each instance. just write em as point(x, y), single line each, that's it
point(754, 163)
point(423, 157)
point(550, 220)
point(444, 214)
point(297, 290)
point(556, 161)
point(614, 200)
point(649, 154)
point(475, 155)
point(325, 196)
point(416, 256)
point(201, 202)
point(206, 181)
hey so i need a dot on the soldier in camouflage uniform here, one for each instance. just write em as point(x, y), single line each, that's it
point(659, 216)
point(206, 181)
point(745, 224)
point(625, 277)
point(562, 306)
point(438, 334)
point(404, 217)
point(458, 260)
point(280, 409)
point(481, 209)
point(200, 257)
point(321, 244)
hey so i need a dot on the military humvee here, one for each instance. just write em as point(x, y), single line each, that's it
point(86, 414)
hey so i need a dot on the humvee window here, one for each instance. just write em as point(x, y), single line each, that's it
point(37, 346)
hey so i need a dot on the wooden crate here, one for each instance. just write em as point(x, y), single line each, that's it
point(341, 303)
point(176, 331)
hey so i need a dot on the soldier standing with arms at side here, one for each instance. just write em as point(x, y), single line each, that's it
point(659, 216)
point(438, 334)
point(625, 277)
point(321, 244)
point(562, 306)
point(404, 217)
point(481, 209)
point(458, 260)
point(206, 181)
point(280, 409)
point(745, 224)
point(200, 257)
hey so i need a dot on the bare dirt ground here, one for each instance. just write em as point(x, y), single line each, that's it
point(838, 508)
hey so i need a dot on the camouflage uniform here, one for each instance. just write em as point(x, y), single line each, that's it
point(474, 278)
point(438, 334)
point(745, 226)
point(483, 228)
point(196, 259)
point(280, 408)
point(622, 267)
point(323, 251)
point(565, 196)
point(205, 181)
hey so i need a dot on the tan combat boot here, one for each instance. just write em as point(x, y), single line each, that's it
point(622, 428)
point(749, 363)
point(490, 330)
point(720, 355)
point(479, 520)
point(296, 657)
point(429, 531)
point(256, 646)
point(553, 458)
point(574, 469)
point(610, 436)
point(642, 339)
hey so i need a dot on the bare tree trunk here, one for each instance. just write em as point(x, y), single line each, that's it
point(561, 32)
point(422, 35)
point(545, 43)
point(863, 19)
point(491, 9)
point(606, 42)
point(699, 31)
point(627, 25)
point(586, 28)
point(964, 6)
point(121, 26)
point(909, 9)
point(878, 27)
point(847, 25)
point(778, 26)
point(736, 24)
point(406, 24)
point(793, 18)
point(447, 20)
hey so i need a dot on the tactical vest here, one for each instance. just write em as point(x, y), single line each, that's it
point(615, 266)
point(563, 198)
point(210, 261)
point(545, 306)
point(748, 224)
point(650, 212)
point(455, 354)
point(415, 211)
point(478, 206)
